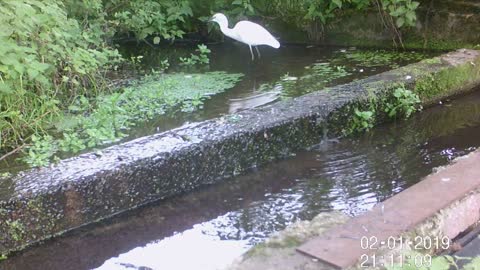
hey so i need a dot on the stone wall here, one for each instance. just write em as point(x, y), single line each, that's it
point(441, 25)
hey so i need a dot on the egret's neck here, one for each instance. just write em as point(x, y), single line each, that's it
point(227, 31)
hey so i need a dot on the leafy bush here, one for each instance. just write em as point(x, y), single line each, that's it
point(201, 58)
point(153, 18)
point(314, 15)
point(46, 57)
point(404, 103)
point(402, 10)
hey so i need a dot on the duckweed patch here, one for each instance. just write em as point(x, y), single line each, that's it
point(316, 77)
point(105, 119)
point(379, 58)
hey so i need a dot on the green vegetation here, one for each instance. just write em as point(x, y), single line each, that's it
point(432, 85)
point(47, 58)
point(362, 121)
point(58, 56)
point(16, 230)
point(194, 59)
point(404, 102)
point(381, 57)
point(147, 18)
point(109, 116)
point(3, 257)
point(314, 16)
point(398, 103)
point(327, 71)
point(316, 77)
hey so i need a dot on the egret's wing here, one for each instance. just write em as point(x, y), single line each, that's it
point(254, 34)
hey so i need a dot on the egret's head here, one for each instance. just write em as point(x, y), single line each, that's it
point(220, 19)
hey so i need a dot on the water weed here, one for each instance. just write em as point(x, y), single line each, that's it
point(316, 77)
point(379, 58)
point(107, 121)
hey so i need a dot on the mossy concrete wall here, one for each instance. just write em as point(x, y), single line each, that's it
point(441, 25)
point(40, 203)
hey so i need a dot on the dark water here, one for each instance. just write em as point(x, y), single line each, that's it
point(206, 229)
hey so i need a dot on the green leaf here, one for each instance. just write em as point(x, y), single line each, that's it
point(338, 3)
point(400, 22)
point(414, 5)
point(156, 40)
point(411, 16)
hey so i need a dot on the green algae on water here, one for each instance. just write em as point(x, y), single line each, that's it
point(317, 76)
point(378, 58)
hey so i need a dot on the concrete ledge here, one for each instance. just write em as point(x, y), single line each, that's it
point(445, 193)
point(41, 203)
point(441, 206)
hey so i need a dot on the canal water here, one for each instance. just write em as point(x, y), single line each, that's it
point(208, 228)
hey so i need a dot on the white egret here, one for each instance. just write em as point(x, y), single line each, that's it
point(246, 32)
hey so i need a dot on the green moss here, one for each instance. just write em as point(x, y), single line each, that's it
point(431, 61)
point(435, 86)
point(287, 242)
point(417, 42)
point(45, 220)
point(16, 230)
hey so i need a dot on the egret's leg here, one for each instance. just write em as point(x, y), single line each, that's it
point(258, 52)
point(253, 57)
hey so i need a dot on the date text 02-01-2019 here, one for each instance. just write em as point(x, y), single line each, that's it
point(417, 243)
